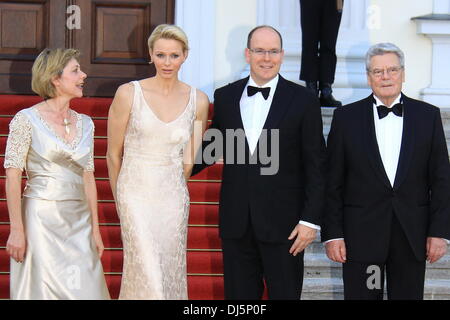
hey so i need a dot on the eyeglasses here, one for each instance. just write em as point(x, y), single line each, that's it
point(261, 52)
point(392, 71)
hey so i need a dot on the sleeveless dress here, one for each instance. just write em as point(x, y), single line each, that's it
point(61, 260)
point(153, 202)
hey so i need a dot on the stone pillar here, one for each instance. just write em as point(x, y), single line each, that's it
point(436, 26)
point(198, 70)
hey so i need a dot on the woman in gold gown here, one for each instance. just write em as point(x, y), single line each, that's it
point(54, 239)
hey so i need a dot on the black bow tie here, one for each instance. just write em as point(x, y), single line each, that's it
point(253, 90)
point(383, 111)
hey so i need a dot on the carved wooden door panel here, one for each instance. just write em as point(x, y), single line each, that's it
point(111, 34)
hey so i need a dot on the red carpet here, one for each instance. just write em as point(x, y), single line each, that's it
point(204, 258)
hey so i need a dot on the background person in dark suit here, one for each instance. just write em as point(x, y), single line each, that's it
point(388, 185)
point(320, 20)
point(266, 221)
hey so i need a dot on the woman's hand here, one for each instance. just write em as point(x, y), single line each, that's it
point(98, 242)
point(16, 245)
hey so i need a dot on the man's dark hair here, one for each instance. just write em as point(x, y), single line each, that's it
point(249, 39)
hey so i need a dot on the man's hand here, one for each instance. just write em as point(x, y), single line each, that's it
point(436, 248)
point(305, 235)
point(336, 251)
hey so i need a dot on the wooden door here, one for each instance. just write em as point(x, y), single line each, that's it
point(111, 34)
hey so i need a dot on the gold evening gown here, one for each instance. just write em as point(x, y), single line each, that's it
point(153, 202)
point(61, 260)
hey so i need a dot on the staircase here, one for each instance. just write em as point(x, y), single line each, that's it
point(204, 258)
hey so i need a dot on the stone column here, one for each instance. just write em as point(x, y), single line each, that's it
point(198, 70)
point(436, 26)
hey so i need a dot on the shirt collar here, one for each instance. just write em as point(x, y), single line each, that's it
point(379, 103)
point(272, 84)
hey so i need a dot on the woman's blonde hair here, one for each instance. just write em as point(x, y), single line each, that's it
point(50, 64)
point(168, 31)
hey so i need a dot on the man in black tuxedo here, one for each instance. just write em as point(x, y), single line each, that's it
point(320, 20)
point(388, 192)
point(267, 218)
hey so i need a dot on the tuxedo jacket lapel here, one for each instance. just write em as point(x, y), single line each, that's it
point(280, 103)
point(408, 139)
point(236, 99)
point(235, 112)
point(371, 144)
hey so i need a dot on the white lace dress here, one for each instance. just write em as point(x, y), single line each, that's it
point(61, 261)
point(153, 202)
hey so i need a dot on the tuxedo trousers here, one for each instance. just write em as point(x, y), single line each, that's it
point(249, 263)
point(405, 275)
point(320, 23)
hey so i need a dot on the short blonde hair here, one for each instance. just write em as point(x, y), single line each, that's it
point(168, 31)
point(50, 64)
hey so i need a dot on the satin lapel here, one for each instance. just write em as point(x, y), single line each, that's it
point(235, 105)
point(408, 141)
point(371, 144)
point(280, 104)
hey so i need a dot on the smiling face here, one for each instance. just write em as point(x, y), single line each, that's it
point(71, 81)
point(386, 86)
point(168, 56)
point(265, 67)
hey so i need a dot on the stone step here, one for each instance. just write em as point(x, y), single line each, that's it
point(315, 247)
point(333, 289)
point(322, 289)
point(437, 289)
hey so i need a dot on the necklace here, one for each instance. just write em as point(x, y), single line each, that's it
point(66, 122)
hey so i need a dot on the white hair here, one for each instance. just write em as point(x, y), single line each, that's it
point(383, 48)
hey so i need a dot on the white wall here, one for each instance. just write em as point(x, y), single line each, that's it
point(234, 20)
point(396, 27)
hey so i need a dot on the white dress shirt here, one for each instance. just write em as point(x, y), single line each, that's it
point(254, 111)
point(389, 132)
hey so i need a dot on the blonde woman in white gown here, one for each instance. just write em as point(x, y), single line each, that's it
point(150, 148)
point(54, 241)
